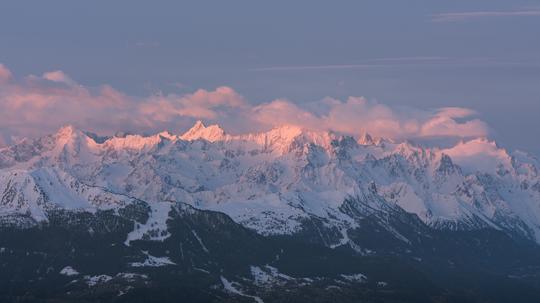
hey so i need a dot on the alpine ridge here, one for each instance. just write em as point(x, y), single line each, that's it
point(275, 181)
point(350, 197)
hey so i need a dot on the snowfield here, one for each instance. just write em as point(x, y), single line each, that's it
point(273, 182)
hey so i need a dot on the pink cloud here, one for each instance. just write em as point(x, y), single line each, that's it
point(479, 155)
point(456, 112)
point(357, 115)
point(40, 105)
point(5, 74)
point(201, 104)
point(58, 76)
point(446, 126)
point(280, 112)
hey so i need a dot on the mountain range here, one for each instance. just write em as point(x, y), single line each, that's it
point(288, 214)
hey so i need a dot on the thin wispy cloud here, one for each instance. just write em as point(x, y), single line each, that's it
point(460, 16)
point(398, 62)
point(143, 44)
point(370, 63)
point(410, 59)
point(312, 67)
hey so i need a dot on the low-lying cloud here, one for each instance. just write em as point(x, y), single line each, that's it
point(36, 105)
point(358, 115)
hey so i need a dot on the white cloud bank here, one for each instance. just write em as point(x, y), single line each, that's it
point(38, 105)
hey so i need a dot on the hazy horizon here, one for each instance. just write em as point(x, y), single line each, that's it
point(145, 67)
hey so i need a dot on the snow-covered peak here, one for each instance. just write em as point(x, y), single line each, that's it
point(280, 138)
point(72, 144)
point(135, 142)
point(66, 130)
point(285, 174)
point(69, 133)
point(210, 133)
point(285, 132)
point(365, 139)
point(285, 138)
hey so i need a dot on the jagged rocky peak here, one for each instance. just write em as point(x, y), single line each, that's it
point(365, 139)
point(446, 165)
point(210, 133)
point(409, 149)
point(167, 135)
point(342, 144)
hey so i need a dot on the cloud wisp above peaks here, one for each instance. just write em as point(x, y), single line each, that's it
point(461, 16)
point(358, 115)
point(369, 63)
point(393, 63)
point(201, 104)
point(311, 67)
point(37, 105)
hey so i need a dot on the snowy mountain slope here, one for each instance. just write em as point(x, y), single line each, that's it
point(276, 181)
point(32, 194)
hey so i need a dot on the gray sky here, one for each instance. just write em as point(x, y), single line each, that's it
point(483, 55)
